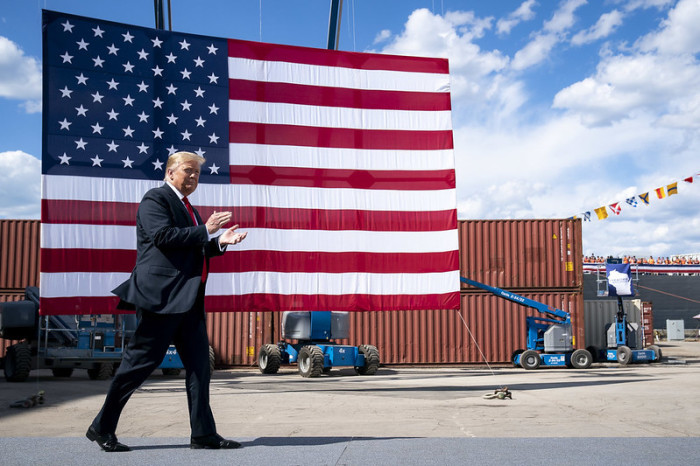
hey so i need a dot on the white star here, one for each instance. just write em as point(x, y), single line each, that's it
point(186, 105)
point(128, 100)
point(128, 67)
point(97, 97)
point(96, 128)
point(80, 144)
point(186, 135)
point(213, 79)
point(112, 147)
point(171, 150)
point(171, 58)
point(143, 148)
point(212, 49)
point(127, 162)
point(156, 42)
point(199, 92)
point(171, 89)
point(157, 103)
point(143, 87)
point(184, 45)
point(157, 165)
point(127, 37)
point(82, 111)
point(200, 152)
point(82, 79)
point(112, 49)
point(157, 71)
point(65, 124)
point(185, 74)
point(143, 55)
point(213, 138)
point(157, 133)
point(67, 58)
point(82, 44)
point(113, 84)
point(128, 132)
point(112, 115)
point(200, 121)
point(143, 117)
point(96, 161)
point(65, 92)
point(67, 26)
point(213, 109)
point(64, 159)
point(198, 62)
point(98, 61)
point(172, 119)
point(214, 169)
point(97, 31)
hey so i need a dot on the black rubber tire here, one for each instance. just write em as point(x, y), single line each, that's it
point(624, 355)
point(581, 359)
point(62, 371)
point(371, 360)
point(171, 372)
point(18, 362)
point(269, 359)
point(310, 361)
point(595, 354)
point(212, 360)
point(657, 352)
point(103, 371)
point(513, 356)
point(530, 360)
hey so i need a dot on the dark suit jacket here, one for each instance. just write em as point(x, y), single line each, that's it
point(170, 253)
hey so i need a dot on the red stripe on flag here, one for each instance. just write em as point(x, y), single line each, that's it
point(116, 213)
point(87, 260)
point(334, 178)
point(88, 212)
point(302, 94)
point(312, 136)
point(322, 57)
point(80, 305)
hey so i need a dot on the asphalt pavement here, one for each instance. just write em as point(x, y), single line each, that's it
point(608, 414)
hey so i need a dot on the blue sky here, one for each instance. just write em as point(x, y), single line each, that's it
point(559, 107)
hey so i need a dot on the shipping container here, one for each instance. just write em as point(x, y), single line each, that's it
point(485, 329)
point(522, 254)
point(19, 254)
point(648, 323)
point(599, 313)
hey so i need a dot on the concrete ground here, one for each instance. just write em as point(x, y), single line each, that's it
point(401, 415)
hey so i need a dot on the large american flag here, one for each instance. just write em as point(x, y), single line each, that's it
point(338, 165)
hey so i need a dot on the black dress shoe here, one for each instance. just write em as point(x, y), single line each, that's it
point(108, 442)
point(213, 442)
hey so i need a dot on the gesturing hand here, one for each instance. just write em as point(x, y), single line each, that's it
point(217, 220)
point(230, 236)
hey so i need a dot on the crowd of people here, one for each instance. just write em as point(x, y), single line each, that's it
point(675, 260)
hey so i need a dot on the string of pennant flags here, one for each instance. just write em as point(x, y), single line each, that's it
point(603, 212)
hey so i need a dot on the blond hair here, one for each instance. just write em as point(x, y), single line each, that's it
point(181, 157)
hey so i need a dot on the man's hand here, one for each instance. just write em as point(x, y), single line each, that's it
point(230, 236)
point(217, 220)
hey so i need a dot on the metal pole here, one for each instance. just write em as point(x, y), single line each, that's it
point(334, 24)
point(158, 9)
point(170, 17)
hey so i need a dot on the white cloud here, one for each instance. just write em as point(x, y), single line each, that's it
point(631, 5)
point(606, 25)
point(679, 34)
point(564, 18)
point(523, 13)
point(20, 190)
point(383, 35)
point(20, 76)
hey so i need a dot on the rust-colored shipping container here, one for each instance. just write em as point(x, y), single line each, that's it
point(647, 324)
point(522, 254)
point(19, 254)
point(485, 324)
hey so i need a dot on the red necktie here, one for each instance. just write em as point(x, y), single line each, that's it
point(194, 219)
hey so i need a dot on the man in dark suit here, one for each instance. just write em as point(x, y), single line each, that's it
point(166, 288)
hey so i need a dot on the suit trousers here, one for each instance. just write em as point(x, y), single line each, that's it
point(145, 352)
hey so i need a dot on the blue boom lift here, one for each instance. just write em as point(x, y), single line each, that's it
point(314, 351)
point(549, 339)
